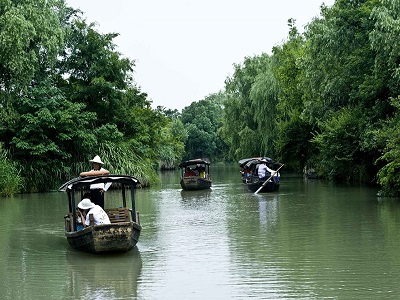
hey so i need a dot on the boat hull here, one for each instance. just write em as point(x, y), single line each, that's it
point(105, 238)
point(270, 186)
point(195, 183)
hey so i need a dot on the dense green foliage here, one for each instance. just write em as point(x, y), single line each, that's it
point(247, 119)
point(385, 41)
point(202, 120)
point(326, 99)
point(174, 137)
point(66, 95)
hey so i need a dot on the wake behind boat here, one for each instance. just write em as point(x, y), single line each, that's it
point(119, 236)
point(260, 174)
point(195, 174)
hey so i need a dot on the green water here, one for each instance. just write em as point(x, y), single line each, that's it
point(310, 240)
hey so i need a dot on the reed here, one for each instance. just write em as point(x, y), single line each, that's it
point(11, 181)
point(121, 159)
point(43, 176)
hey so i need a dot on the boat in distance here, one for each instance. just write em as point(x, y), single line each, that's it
point(249, 170)
point(195, 174)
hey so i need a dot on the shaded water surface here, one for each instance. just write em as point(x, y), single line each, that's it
point(310, 240)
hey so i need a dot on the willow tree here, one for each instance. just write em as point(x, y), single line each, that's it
point(385, 42)
point(264, 99)
point(338, 65)
point(245, 106)
point(294, 130)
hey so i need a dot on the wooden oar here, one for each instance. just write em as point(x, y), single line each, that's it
point(265, 182)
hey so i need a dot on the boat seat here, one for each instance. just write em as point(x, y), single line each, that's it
point(118, 215)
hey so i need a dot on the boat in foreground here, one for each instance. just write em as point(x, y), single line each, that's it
point(119, 236)
point(249, 171)
point(195, 174)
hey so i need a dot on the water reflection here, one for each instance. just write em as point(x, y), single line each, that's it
point(103, 276)
point(268, 205)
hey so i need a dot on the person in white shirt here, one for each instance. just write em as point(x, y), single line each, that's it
point(262, 169)
point(97, 190)
point(88, 207)
point(265, 171)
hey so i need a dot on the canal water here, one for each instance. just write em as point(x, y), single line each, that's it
point(310, 240)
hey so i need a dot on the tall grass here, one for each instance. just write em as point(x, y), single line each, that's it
point(121, 159)
point(45, 175)
point(11, 181)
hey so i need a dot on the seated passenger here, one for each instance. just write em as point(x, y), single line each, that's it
point(79, 224)
point(202, 173)
point(189, 172)
point(87, 207)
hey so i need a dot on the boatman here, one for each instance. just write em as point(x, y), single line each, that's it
point(262, 168)
point(97, 190)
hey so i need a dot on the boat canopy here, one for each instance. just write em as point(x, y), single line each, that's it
point(79, 182)
point(244, 161)
point(193, 162)
point(247, 162)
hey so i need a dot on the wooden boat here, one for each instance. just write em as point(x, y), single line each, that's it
point(119, 236)
point(249, 171)
point(195, 174)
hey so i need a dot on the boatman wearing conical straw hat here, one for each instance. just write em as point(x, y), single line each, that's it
point(97, 190)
